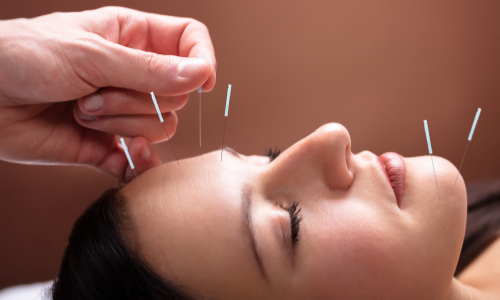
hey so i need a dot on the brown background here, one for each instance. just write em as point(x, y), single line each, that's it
point(378, 68)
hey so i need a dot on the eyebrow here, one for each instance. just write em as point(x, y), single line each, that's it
point(246, 200)
point(232, 151)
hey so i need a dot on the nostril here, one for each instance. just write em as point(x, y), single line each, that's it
point(348, 162)
point(347, 156)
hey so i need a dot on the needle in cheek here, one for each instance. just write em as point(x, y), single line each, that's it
point(468, 140)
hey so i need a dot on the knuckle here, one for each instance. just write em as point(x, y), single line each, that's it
point(158, 134)
point(110, 9)
point(78, 51)
point(86, 44)
point(104, 9)
point(151, 61)
point(198, 24)
point(120, 99)
point(155, 63)
point(203, 27)
point(126, 95)
point(169, 103)
point(172, 123)
point(181, 101)
point(171, 60)
point(174, 103)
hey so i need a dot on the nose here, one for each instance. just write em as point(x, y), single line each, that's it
point(322, 157)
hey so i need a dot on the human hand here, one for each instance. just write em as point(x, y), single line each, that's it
point(108, 59)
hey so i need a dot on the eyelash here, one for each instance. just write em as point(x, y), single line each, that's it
point(295, 219)
point(273, 153)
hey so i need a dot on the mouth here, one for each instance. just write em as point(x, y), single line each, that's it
point(395, 169)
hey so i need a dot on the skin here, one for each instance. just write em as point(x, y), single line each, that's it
point(57, 68)
point(53, 65)
point(355, 242)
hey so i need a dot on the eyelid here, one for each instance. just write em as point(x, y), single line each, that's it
point(232, 151)
point(285, 225)
point(253, 159)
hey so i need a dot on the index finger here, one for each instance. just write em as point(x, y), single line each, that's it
point(167, 35)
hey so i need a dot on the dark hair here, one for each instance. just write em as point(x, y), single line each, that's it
point(483, 221)
point(98, 264)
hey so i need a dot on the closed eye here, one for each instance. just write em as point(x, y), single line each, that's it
point(273, 153)
point(295, 218)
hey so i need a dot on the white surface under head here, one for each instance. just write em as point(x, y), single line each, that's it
point(34, 291)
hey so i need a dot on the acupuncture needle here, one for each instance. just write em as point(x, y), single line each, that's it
point(225, 118)
point(163, 124)
point(430, 153)
point(131, 164)
point(468, 140)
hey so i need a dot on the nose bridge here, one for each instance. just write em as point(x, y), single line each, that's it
point(322, 157)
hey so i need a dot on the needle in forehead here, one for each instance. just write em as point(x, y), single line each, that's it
point(468, 140)
point(163, 124)
point(225, 118)
point(430, 153)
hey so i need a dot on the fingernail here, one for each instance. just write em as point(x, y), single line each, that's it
point(86, 117)
point(93, 102)
point(189, 67)
point(145, 153)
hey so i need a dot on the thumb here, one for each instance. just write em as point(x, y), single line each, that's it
point(143, 156)
point(124, 67)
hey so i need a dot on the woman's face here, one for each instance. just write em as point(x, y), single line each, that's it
point(223, 229)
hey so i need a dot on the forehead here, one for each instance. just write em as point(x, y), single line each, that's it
point(192, 172)
point(189, 218)
point(192, 187)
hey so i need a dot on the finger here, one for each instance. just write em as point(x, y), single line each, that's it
point(145, 52)
point(160, 34)
point(116, 101)
point(196, 42)
point(119, 66)
point(148, 126)
point(103, 152)
point(144, 157)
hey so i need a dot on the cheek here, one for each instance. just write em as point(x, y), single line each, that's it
point(440, 222)
point(356, 252)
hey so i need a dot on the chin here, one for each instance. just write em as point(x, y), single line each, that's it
point(452, 210)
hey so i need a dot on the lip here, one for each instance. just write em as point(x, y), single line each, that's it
point(395, 170)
